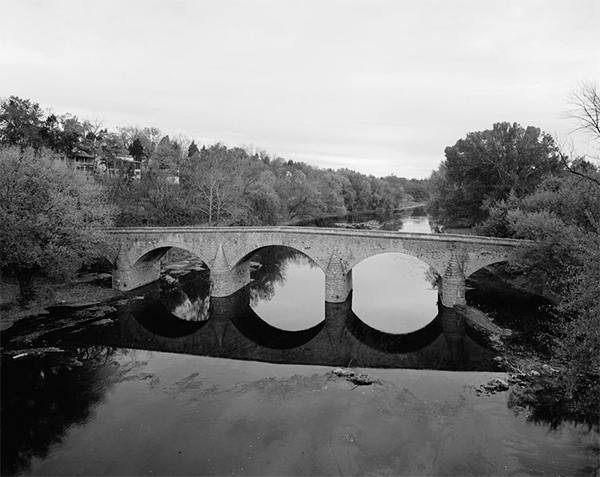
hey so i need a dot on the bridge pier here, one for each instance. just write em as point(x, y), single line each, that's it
point(225, 281)
point(338, 282)
point(453, 286)
point(146, 270)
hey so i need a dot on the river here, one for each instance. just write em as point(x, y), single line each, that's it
point(274, 381)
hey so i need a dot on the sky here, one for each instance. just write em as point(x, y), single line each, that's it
point(378, 86)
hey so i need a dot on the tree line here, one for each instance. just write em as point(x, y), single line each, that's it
point(184, 184)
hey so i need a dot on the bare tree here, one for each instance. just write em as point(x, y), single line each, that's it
point(586, 114)
point(586, 109)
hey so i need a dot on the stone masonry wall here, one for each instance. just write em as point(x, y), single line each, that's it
point(335, 251)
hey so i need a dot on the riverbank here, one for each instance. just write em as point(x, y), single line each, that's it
point(88, 289)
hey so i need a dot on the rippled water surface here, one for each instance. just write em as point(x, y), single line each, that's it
point(150, 413)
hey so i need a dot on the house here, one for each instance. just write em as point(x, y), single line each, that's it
point(123, 165)
point(83, 162)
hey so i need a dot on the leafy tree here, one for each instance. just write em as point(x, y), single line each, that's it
point(51, 218)
point(330, 187)
point(489, 166)
point(263, 205)
point(166, 156)
point(300, 195)
point(136, 150)
point(562, 217)
point(193, 149)
point(414, 189)
point(361, 193)
point(21, 123)
point(69, 136)
point(385, 196)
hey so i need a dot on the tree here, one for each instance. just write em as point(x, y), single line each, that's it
point(586, 109)
point(263, 204)
point(361, 195)
point(70, 136)
point(330, 189)
point(136, 150)
point(562, 217)
point(489, 166)
point(51, 218)
point(300, 195)
point(213, 181)
point(166, 157)
point(21, 123)
point(192, 149)
point(586, 114)
point(385, 196)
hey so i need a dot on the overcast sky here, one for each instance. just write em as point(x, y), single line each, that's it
point(380, 87)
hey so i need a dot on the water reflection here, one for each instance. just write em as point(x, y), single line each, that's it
point(392, 318)
point(234, 330)
point(188, 296)
point(287, 289)
point(130, 412)
point(43, 399)
point(393, 293)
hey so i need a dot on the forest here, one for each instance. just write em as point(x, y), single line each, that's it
point(182, 183)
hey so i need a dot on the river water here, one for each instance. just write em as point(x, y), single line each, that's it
point(172, 382)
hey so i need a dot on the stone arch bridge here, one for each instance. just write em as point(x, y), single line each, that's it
point(226, 251)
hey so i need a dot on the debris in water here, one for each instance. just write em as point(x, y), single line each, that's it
point(357, 379)
point(492, 387)
point(21, 353)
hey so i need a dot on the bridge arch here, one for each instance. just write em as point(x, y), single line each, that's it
point(245, 253)
point(473, 267)
point(421, 257)
point(139, 253)
point(141, 264)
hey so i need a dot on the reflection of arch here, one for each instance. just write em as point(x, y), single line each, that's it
point(393, 343)
point(253, 327)
point(337, 341)
point(157, 319)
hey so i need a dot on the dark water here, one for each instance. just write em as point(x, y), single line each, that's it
point(174, 382)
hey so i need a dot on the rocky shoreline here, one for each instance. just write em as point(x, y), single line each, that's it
point(88, 289)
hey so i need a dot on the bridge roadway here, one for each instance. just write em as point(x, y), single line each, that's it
point(227, 250)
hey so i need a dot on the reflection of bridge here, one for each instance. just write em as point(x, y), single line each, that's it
point(234, 330)
point(226, 251)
